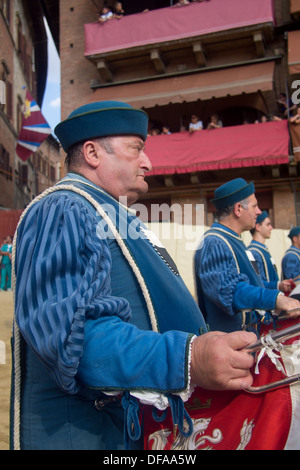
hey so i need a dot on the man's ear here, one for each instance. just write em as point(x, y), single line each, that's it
point(257, 227)
point(237, 209)
point(91, 153)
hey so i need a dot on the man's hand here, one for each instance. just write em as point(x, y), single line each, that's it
point(218, 362)
point(286, 285)
point(288, 303)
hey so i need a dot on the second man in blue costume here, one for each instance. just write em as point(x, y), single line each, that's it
point(230, 291)
point(265, 263)
point(290, 263)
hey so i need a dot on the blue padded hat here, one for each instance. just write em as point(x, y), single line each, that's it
point(261, 217)
point(231, 192)
point(101, 119)
point(294, 232)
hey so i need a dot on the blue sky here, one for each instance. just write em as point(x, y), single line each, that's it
point(51, 101)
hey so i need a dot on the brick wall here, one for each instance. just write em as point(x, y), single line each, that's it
point(284, 208)
point(77, 71)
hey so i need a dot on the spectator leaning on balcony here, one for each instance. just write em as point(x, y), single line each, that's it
point(215, 122)
point(265, 263)
point(195, 124)
point(295, 119)
point(286, 105)
point(105, 15)
point(103, 317)
point(118, 10)
point(229, 288)
point(294, 122)
point(166, 130)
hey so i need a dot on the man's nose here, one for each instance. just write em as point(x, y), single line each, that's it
point(146, 163)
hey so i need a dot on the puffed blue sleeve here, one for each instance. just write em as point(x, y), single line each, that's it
point(225, 286)
point(137, 360)
point(67, 315)
point(290, 266)
point(247, 296)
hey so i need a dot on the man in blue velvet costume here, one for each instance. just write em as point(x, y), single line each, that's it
point(265, 263)
point(103, 321)
point(290, 263)
point(230, 291)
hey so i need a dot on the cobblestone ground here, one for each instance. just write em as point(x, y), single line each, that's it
point(6, 320)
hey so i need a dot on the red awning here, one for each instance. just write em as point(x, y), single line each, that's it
point(174, 23)
point(217, 83)
point(217, 149)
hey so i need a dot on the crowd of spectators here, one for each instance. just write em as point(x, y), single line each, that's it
point(287, 110)
point(107, 13)
point(116, 11)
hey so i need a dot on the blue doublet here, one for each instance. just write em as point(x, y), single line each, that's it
point(266, 266)
point(226, 281)
point(86, 324)
point(290, 263)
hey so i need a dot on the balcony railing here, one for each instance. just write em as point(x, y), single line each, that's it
point(219, 149)
point(175, 24)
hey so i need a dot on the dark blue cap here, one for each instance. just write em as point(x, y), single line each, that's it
point(294, 232)
point(101, 119)
point(231, 192)
point(261, 217)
